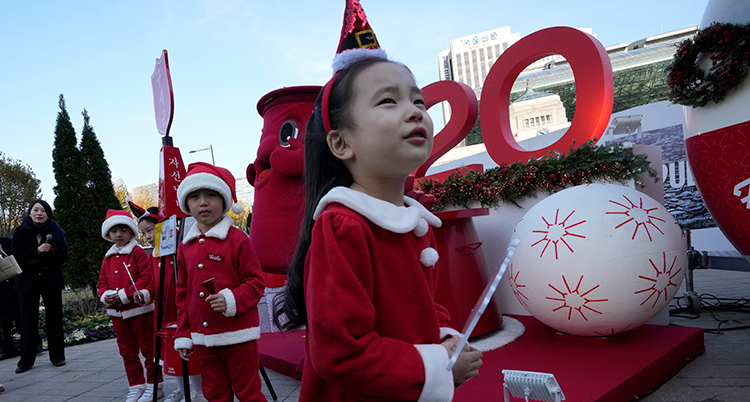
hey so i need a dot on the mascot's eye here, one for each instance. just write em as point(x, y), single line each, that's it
point(288, 130)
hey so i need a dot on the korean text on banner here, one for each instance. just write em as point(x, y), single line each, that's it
point(171, 173)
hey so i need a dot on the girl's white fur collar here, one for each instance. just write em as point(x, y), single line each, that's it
point(412, 217)
point(219, 230)
point(126, 249)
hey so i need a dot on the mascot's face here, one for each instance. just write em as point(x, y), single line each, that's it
point(276, 175)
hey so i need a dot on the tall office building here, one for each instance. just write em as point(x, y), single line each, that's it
point(470, 58)
point(638, 68)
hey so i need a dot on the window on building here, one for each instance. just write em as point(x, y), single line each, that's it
point(526, 123)
point(549, 119)
point(460, 68)
point(482, 65)
point(536, 120)
point(475, 68)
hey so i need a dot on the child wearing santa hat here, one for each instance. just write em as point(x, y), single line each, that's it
point(126, 288)
point(363, 279)
point(219, 285)
point(147, 220)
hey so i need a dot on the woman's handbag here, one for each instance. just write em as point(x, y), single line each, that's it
point(8, 266)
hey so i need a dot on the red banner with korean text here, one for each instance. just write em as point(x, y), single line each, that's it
point(171, 173)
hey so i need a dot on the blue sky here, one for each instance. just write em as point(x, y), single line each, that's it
point(226, 54)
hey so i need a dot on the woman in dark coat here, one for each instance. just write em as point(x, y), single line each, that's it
point(40, 248)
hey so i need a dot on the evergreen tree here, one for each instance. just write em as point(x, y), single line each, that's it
point(68, 176)
point(97, 195)
point(83, 192)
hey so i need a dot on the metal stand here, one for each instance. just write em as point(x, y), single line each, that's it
point(268, 381)
point(696, 260)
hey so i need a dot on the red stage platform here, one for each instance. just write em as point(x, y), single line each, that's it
point(629, 365)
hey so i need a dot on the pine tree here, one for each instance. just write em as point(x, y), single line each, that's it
point(68, 175)
point(83, 192)
point(97, 195)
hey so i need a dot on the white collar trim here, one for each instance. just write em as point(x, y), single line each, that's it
point(219, 230)
point(411, 217)
point(126, 249)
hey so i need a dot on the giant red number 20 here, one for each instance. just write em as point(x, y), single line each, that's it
point(464, 111)
point(594, 91)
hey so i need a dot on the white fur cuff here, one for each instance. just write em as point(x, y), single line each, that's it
point(438, 380)
point(105, 294)
point(123, 296)
point(183, 343)
point(448, 331)
point(231, 302)
point(146, 296)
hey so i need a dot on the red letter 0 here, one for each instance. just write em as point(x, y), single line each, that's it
point(594, 91)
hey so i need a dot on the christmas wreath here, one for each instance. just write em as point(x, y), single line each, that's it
point(552, 172)
point(729, 49)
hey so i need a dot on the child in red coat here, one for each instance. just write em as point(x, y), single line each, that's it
point(126, 287)
point(219, 284)
point(147, 220)
point(364, 275)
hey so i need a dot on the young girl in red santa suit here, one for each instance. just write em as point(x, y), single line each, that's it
point(126, 287)
point(221, 326)
point(147, 220)
point(364, 274)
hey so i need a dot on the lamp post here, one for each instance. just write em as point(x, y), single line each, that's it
point(210, 147)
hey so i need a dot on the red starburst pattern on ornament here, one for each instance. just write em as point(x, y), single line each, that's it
point(719, 160)
point(642, 217)
point(574, 300)
point(661, 281)
point(556, 232)
point(515, 286)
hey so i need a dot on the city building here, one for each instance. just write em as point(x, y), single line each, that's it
point(536, 113)
point(638, 69)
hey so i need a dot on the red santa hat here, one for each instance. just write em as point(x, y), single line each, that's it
point(357, 42)
point(136, 209)
point(116, 217)
point(204, 175)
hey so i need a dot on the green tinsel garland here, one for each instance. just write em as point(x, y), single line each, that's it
point(552, 172)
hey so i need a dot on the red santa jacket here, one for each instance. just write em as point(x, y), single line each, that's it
point(223, 252)
point(114, 279)
point(374, 329)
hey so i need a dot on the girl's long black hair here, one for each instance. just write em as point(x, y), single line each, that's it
point(323, 171)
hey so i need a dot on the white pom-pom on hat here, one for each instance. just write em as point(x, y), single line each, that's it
point(237, 208)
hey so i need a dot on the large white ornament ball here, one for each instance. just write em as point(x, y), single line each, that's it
point(597, 260)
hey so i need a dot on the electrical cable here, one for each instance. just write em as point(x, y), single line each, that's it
point(713, 304)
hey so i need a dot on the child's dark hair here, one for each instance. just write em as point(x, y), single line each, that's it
point(323, 171)
point(153, 215)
